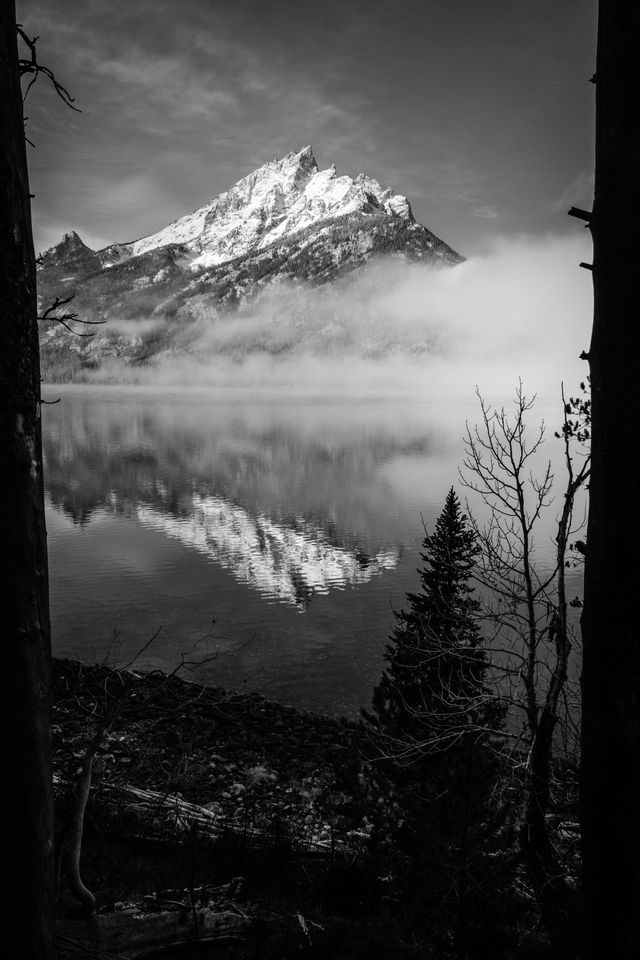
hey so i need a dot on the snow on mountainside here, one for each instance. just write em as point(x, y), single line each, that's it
point(279, 199)
point(287, 220)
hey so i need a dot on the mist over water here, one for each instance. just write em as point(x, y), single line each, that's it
point(276, 479)
point(294, 526)
point(522, 310)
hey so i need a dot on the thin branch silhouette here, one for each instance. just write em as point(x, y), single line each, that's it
point(30, 66)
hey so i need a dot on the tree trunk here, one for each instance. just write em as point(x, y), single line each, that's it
point(73, 840)
point(610, 797)
point(536, 844)
point(26, 886)
point(543, 869)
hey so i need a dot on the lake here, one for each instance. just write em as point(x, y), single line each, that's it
point(268, 540)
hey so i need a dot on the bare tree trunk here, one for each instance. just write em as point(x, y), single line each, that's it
point(543, 868)
point(610, 797)
point(529, 608)
point(542, 861)
point(74, 839)
point(26, 886)
point(534, 834)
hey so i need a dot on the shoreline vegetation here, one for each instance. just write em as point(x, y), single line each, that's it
point(227, 824)
point(431, 825)
point(207, 808)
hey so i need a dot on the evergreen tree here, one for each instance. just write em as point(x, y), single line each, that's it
point(433, 690)
point(442, 838)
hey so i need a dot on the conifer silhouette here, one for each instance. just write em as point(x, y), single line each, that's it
point(433, 690)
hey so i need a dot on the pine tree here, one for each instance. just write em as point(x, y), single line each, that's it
point(433, 718)
point(433, 690)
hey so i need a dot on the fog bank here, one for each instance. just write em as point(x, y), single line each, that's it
point(523, 310)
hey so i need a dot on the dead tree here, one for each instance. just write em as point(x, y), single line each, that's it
point(610, 802)
point(115, 704)
point(26, 805)
point(526, 607)
point(26, 808)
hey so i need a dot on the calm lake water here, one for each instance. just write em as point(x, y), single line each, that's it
point(274, 535)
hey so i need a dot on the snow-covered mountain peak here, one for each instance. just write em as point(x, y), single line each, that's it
point(279, 199)
point(297, 167)
point(286, 222)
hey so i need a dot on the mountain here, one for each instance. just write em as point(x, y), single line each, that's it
point(286, 221)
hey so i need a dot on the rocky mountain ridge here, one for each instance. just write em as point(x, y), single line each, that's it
point(288, 220)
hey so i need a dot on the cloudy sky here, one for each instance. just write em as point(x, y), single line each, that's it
point(480, 111)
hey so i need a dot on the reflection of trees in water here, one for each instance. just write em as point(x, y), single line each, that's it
point(162, 456)
point(303, 593)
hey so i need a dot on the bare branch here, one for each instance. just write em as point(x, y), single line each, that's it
point(67, 317)
point(30, 66)
point(527, 607)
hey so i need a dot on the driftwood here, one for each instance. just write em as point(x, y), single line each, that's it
point(134, 935)
point(172, 814)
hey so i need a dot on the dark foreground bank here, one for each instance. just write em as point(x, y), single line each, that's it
point(217, 822)
point(226, 825)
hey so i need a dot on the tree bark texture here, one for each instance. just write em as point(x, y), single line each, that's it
point(610, 797)
point(543, 868)
point(26, 883)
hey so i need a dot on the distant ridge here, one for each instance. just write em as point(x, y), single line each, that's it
point(286, 220)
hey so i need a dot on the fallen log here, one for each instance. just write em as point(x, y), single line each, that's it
point(175, 815)
point(135, 935)
point(172, 814)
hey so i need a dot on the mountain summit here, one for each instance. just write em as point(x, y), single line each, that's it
point(277, 200)
point(286, 220)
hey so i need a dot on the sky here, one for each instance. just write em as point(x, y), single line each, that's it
point(480, 112)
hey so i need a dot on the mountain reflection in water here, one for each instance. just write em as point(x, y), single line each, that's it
point(296, 526)
point(289, 562)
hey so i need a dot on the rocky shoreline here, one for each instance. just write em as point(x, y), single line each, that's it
point(211, 814)
point(254, 764)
